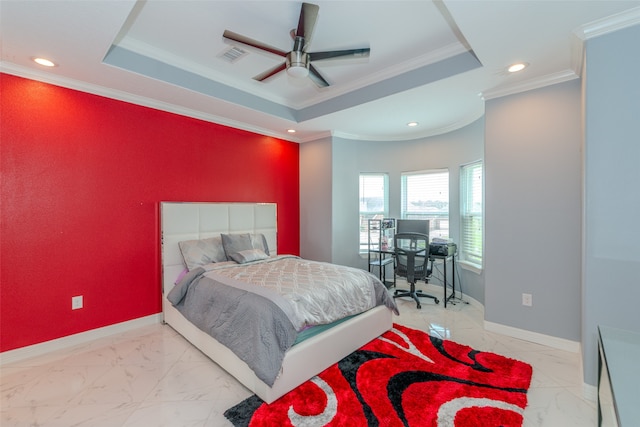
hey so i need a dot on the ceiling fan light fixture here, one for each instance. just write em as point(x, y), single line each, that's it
point(297, 64)
point(298, 71)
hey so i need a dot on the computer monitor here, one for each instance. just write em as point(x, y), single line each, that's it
point(412, 226)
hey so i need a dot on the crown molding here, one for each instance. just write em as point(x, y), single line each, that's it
point(607, 25)
point(458, 124)
point(548, 80)
point(576, 61)
point(28, 73)
point(420, 61)
point(315, 136)
point(585, 32)
point(148, 51)
point(37, 75)
point(613, 23)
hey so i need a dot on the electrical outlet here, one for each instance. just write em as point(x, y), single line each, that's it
point(527, 300)
point(76, 302)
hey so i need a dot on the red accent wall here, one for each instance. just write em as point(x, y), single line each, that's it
point(82, 178)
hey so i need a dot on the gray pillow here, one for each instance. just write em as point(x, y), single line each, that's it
point(258, 241)
point(197, 253)
point(234, 243)
point(249, 255)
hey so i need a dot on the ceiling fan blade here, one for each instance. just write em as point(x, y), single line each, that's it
point(316, 77)
point(251, 42)
point(340, 54)
point(271, 72)
point(307, 22)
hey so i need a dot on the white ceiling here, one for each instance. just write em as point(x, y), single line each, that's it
point(434, 62)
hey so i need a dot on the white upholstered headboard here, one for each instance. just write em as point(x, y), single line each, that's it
point(197, 220)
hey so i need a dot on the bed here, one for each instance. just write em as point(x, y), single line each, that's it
point(186, 221)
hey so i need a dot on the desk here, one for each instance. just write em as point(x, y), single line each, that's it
point(445, 258)
point(381, 262)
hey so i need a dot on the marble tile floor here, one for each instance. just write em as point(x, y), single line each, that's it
point(152, 377)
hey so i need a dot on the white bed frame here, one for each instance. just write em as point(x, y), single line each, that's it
point(188, 221)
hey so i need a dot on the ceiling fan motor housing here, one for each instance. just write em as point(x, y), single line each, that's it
point(297, 63)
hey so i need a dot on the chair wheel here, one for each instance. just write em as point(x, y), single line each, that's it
point(437, 301)
point(419, 306)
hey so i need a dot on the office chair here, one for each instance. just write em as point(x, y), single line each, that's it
point(412, 261)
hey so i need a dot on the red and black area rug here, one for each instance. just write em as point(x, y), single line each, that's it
point(403, 378)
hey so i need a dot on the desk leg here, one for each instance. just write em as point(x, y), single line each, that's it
point(453, 280)
point(444, 261)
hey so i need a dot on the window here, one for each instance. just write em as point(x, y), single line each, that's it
point(425, 195)
point(471, 211)
point(374, 203)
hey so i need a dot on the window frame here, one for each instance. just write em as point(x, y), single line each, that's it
point(435, 218)
point(471, 252)
point(365, 215)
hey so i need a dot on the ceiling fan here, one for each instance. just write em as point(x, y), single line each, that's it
point(298, 62)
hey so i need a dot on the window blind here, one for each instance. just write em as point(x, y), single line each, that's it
point(471, 212)
point(374, 202)
point(425, 195)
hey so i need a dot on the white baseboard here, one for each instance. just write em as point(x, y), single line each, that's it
point(548, 340)
point(72, 340)
point(590, 392)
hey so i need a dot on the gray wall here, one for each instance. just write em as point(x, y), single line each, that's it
point(351, 157)
point(316, 200)
point(611, 282)
point(571, 237)
point(533, 210)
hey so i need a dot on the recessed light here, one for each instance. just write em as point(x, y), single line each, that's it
point(412, 124)
point(291, 130)
point(45, 62)
point(518, 66)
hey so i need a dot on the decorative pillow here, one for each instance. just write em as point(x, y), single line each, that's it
point(197, 253)
point(258, 241)
point(234, 243)
point(249, 255)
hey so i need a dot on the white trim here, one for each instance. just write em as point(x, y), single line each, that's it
point(607, 25)
point(537, 83)
point(475, 268)
point(577, 53)
point(118, 95)
point(548, 340)
point(75, 339)
point(590, 392)
point(598, 28)
point(471, 117)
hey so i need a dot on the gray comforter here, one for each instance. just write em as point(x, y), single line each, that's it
point(257, 309)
